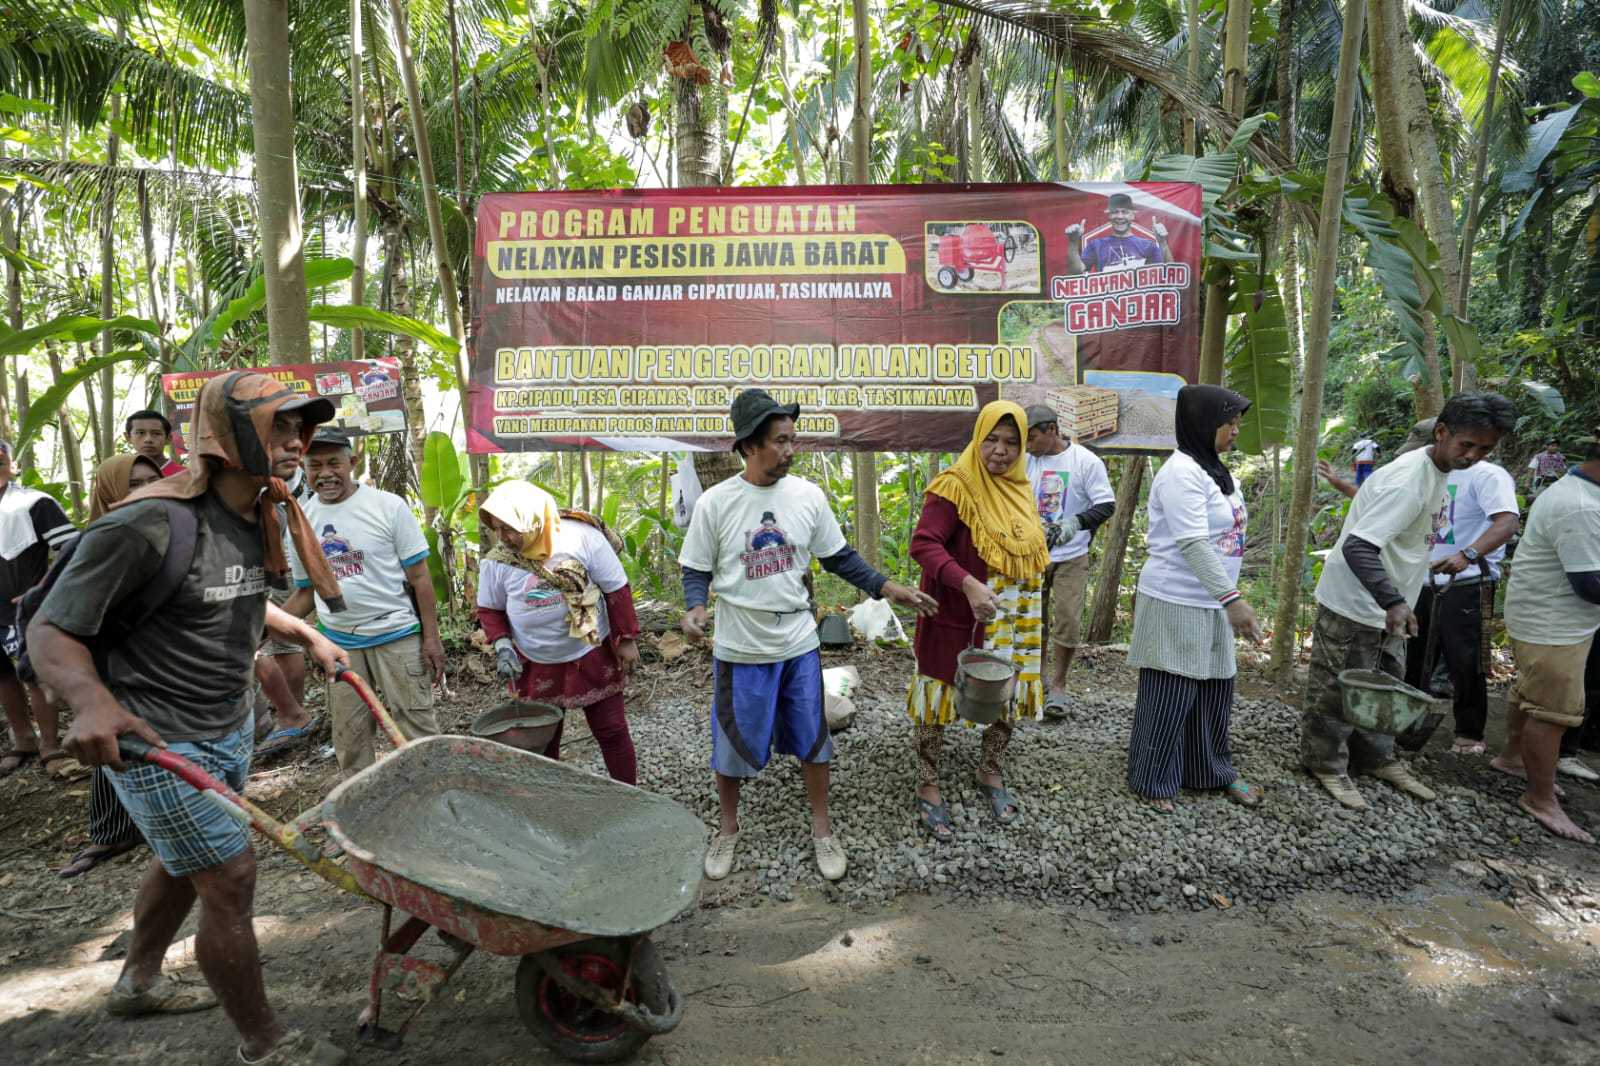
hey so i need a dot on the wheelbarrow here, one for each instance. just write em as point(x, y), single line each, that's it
point(505, 851)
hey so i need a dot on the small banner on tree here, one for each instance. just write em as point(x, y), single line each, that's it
point(365, 393)
point(891, 313)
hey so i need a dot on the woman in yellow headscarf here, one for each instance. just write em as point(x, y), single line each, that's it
point(554, 601)
point(982, 551)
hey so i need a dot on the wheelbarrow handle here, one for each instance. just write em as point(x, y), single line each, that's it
point(365, 693)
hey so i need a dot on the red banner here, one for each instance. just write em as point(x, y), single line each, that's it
point(365, 393)
point(629, 319)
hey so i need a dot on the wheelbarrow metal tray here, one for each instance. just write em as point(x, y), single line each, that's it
point(490, 831)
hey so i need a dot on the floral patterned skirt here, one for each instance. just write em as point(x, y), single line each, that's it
point(1016, 632)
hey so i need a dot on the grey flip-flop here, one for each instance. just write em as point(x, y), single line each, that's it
point(999, 799)
point(934, 817)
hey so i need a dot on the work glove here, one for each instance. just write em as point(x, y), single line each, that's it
point(507, 663)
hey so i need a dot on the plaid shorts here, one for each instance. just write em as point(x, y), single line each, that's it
point(187, 831)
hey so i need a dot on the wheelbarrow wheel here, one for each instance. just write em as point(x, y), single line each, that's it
point(1011, 248)
point(575, 1029)
point(966, 275)
point(947, 278)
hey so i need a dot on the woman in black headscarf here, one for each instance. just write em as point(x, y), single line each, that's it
point(1188, 610)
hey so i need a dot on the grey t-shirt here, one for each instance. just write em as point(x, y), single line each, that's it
point(187, 669)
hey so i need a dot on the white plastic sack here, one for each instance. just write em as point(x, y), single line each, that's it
point(876, 620)
point(685, 490)
point(840, 680)
point(839, 711)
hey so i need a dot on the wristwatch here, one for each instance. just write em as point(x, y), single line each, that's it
point(1471, 555)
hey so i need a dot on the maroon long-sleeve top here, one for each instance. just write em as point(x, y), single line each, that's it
point(942, 546)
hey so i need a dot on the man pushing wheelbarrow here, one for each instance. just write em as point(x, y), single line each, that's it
point(175, 674)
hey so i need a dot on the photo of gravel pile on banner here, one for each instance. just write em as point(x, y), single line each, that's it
point(629, 319)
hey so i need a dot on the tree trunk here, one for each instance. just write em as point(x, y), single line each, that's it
point(1058, 116)
point(152, 273)
point(1469, 230)
point(448, 294)
point(1191, 131)
point(1235, 85)
point(282, 243)
point(105, 432)
point(358, 168)
point(1103, 615)
point(700, 121)
point(865, 468)
point(405, 349)
point(793, 110)
point(972, 83)
point(10, 217)
point(69, 439)
point(1438, 211)
point(1288, 91)
point(1324, 267)
point(1398, 176)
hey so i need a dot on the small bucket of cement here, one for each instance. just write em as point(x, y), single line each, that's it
point(522, 724)
point(985, 683)
point(1380, 702)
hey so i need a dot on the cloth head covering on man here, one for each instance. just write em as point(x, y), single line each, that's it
point(232, 430)
point(999, 511)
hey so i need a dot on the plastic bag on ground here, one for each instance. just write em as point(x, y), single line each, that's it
point(840, 680)
point(876, 620)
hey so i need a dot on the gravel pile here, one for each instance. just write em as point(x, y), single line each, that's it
point(1082, 838)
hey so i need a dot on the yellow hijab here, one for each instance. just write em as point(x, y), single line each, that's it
point(529, 510)
point(1000, 511)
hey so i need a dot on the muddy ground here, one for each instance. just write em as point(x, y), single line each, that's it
point(1464, 968)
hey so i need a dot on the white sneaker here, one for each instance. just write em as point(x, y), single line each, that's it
point(830, 857)
point(719, 856)
point(1573, 766)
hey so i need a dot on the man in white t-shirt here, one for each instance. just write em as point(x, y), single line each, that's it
point(1074, 497)
point(1546, 467)
point(1476, 517)
point(390, 624)
point(751, 540)
point(1365, 451)
point(1552, 614)
point(1370, 581)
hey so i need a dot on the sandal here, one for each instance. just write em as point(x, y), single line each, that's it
point(1160, 803)
point(1058, 705)
point(999, 799)
point(935, 818)
point(168, 995)
point(72, 771)
point(1466, 746)
point(93, 856)
point(281, 740)
point(13, 761)
point(1244, 794)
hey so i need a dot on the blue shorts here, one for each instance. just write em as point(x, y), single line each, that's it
point(757, 708)
point(187, 831)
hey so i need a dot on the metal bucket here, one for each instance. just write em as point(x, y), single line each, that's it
point(985, 684)
point(1382, 703)
point(524, 724)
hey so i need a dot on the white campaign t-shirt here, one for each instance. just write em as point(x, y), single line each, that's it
point(1185, 503)
point(758, 542)
point(1365, 450)
point(1065, 485)
point(538, 611)
point(368, 538)
point(1563, 537)
point(1472, 497)
point(1395, 511)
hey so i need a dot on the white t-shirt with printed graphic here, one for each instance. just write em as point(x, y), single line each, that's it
point(1365, 450)
point(1563, 537)
point(1394, 510)
point(1186, 503)
point(1472, 497)
point(758, 542)
point(1065, 485)
point(538, 611)
point(368, 539)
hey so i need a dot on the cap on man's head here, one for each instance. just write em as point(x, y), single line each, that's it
point(1119, 200)
point(752, 407)
point(330, 437)
point(1041, 415)
point(1552, 440)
